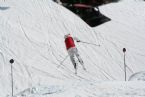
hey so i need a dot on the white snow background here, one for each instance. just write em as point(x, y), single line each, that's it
point(32, 33)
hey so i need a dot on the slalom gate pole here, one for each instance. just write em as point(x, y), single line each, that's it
point(90, 43)
point(12, 79)
point(12, 83)
point(124, 50)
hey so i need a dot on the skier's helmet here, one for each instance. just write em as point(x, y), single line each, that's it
point(67, 35)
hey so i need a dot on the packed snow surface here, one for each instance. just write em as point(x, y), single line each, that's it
point(32, 33)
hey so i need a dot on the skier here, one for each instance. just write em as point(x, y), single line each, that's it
point(72, 51)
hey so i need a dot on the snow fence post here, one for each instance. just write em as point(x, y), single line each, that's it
point(12, 61)
point(124, 50)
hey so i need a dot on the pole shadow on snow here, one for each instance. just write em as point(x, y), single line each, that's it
point(4, 8)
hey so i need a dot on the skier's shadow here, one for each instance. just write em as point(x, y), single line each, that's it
point(4, 8)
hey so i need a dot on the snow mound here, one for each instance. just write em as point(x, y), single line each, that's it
point(40, 90)
point(88, 89)
point(139, 76)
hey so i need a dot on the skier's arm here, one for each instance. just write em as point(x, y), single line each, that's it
point(75, 38)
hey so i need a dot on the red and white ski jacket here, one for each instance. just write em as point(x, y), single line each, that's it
point(69, 41)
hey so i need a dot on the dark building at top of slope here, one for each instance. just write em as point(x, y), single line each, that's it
point(88, 2)
point(90, 14)
point(87, 10)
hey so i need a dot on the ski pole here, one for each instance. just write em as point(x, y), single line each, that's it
point(61, 63)
point(89, 43)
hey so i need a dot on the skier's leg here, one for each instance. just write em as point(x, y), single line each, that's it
point(80, 59)
point(73, 62)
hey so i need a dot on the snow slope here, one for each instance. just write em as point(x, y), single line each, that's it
point(32, 31)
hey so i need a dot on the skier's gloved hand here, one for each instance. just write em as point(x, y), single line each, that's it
point(78, 41)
